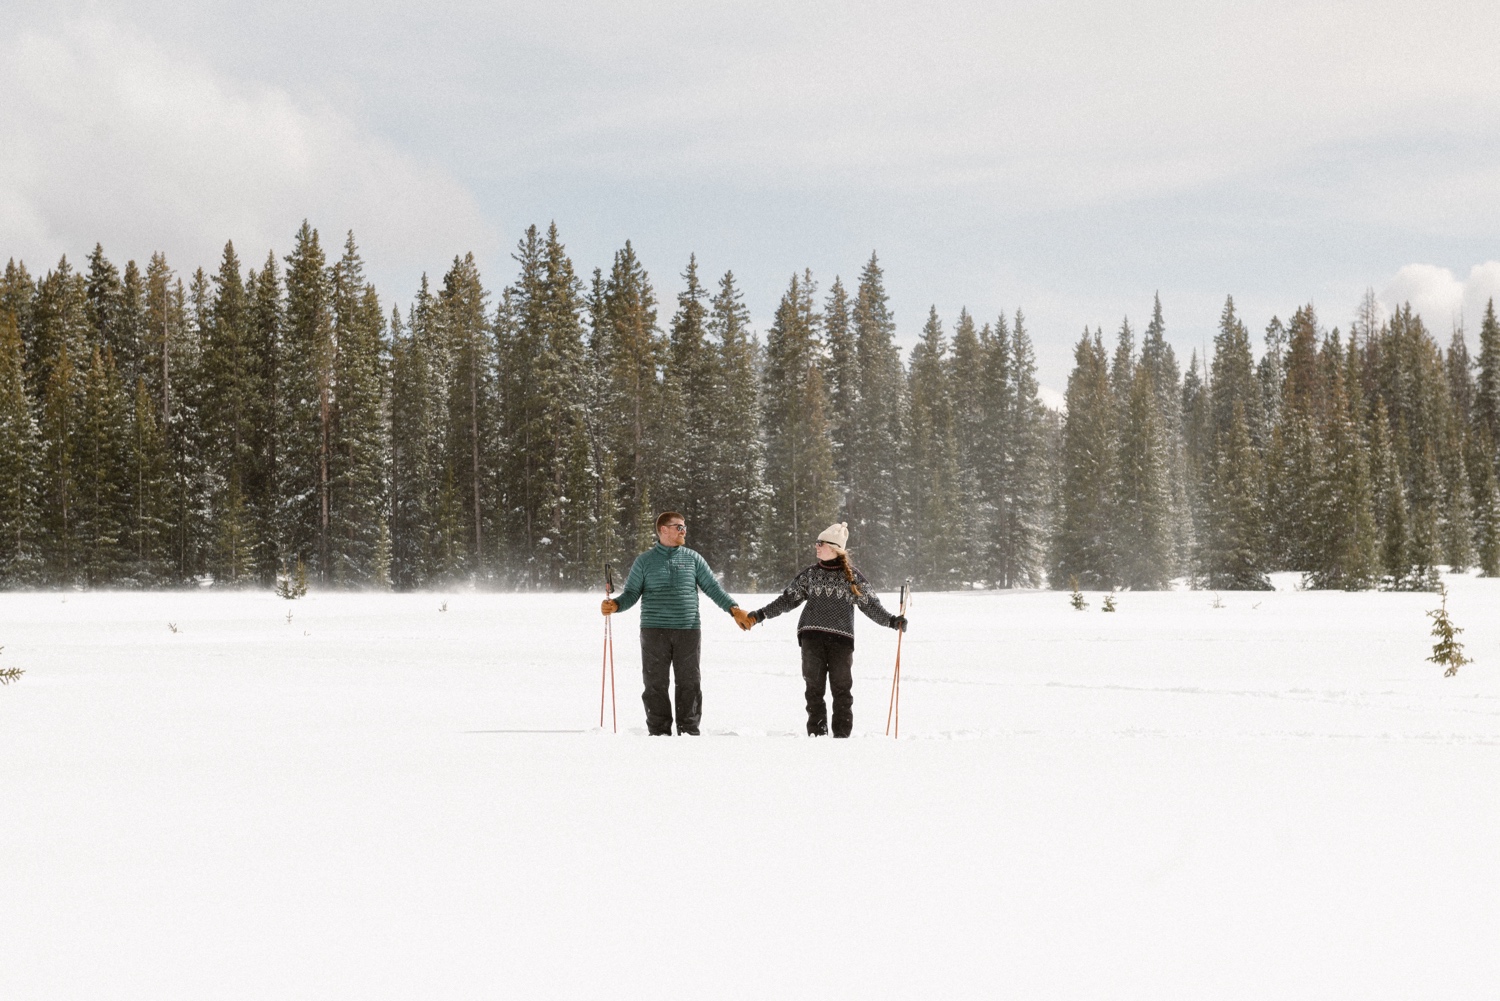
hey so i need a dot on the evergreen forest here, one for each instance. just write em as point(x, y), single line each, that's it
point(161, 430)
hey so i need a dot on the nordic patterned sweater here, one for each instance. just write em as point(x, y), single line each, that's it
point(665, 580)
point(830, 602)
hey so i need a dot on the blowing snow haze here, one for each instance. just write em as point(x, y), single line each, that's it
point(1070, 159)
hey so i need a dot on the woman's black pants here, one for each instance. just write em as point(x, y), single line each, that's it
point(828, 660)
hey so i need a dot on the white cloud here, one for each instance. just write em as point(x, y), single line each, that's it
point(105, 136)
point(1440, 297)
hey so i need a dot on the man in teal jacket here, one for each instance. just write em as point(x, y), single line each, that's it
point(666, 579)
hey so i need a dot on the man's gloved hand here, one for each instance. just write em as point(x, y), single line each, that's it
point(898, 622)
point(742, 618)
point(609, 606)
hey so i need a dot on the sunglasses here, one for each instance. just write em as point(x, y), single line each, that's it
point(674, 528)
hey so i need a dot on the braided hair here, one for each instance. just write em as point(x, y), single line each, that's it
point(849, 573)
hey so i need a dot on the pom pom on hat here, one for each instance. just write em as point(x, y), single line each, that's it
point(836, 536)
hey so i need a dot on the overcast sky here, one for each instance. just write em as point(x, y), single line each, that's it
point(1067, 158)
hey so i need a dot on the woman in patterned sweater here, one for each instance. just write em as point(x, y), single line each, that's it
point(831, 587)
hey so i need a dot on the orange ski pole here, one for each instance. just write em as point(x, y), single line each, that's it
point(893, 712)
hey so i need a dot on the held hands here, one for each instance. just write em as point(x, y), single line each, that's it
point(742, 618)
point(609, 606)
point(898, 622)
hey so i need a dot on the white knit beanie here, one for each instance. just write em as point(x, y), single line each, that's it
point(836, 536)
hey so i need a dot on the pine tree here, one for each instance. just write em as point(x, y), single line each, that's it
point(20, 464)
point(1487, 388)
point(59, 426)
point(1032, 438)
point(873, 504)
point(418, 408)
point(112, 329)
point(265, 319)
point(970, 537)
point(1233, 539)
point(934, 488)
point(1233, 379)
point(360, 433)
point(1083, 544)
point(230, 375)
point(690, 394)
point(1160, 363)
point(843, 380)
point(1425, 507)
point(305, 425)
point(633, 354)
point(1341, 546)
point(1447, 652)
point(59, 321)
point(472, 417)
point(1144, 521)
point(738, 452)
point(799, 470)
point(102, 506)
point(150, 478)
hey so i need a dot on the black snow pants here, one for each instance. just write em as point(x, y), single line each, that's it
point(828, 660)
point(664, 651)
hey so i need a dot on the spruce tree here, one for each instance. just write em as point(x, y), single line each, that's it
point(360, 445)
point(20, 464)
point(230, 376)
point(873, 505)
point(305, 426)
point(634, 355)
point(150, 479)
point(1342, 542)
point(970, 536)
point(738, 463)
point(59, 426)
point(1233, 540)
point(934, 488)
point(1144, 520)
point(1160, 363)
point(102, 505)
point(1032, 436)
point(799, 468)
point(1487, 386)
point(59, 321)
point(472, 418)
point(1233, 379)
point(413, 469)
point(843, 380)
point(1083, 544)
point(265, 319)
point(690, 393)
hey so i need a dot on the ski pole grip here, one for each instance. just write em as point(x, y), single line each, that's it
point(609, 578)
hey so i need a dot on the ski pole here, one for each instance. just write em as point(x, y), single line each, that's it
point(894, 711)
point(607, 661)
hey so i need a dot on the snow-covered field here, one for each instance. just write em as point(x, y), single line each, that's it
point(1278, 798)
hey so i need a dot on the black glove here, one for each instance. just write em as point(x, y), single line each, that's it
point(898, 622)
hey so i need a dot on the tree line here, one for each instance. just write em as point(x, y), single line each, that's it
point(1361, 460)
point(162, 430)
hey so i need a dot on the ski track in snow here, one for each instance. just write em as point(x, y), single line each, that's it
point(1278, 798)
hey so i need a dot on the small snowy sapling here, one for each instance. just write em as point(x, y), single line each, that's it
point(9, 674)
point(1076, 599)
point(1447, 650)
point(1109, 603)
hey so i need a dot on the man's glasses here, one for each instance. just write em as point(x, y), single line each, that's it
point(675, 528)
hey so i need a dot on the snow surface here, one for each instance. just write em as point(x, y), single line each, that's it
point(1278, 798)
